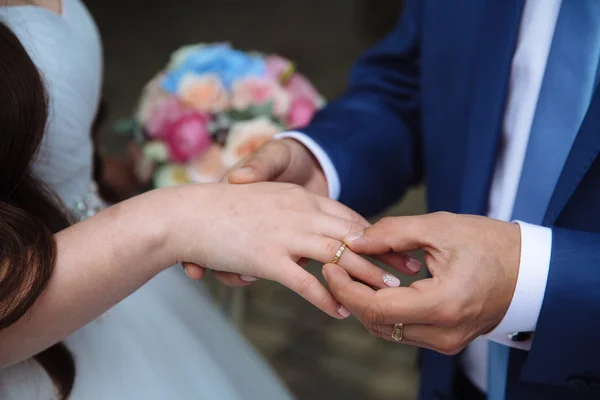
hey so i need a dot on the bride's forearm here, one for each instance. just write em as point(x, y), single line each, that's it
point(99, 262)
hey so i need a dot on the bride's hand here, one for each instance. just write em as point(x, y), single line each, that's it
point(263, 230)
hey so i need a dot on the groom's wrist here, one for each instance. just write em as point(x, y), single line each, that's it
point(328, 169)
point(526, 304)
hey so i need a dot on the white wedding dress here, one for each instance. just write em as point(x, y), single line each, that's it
point(167, 340)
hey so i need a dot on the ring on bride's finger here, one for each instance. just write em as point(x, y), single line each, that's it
point(339, 253)
point(398, 332)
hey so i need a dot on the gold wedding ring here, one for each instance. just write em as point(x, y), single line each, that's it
point(398, 332)
point(339, 253)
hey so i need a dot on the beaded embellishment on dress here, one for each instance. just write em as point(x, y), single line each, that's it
point(88, 205)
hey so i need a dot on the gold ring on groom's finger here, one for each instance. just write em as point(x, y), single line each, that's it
point(339, 253)
point(398, 332)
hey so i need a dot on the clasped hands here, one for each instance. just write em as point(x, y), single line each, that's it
point(473, 263)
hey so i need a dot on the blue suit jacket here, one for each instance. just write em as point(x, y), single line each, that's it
point(427, 105)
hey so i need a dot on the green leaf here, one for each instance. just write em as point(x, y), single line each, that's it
point(240, 115)
point(264, 110)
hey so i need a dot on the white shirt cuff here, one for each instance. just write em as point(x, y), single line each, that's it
point(331, 175)
point(526, 304)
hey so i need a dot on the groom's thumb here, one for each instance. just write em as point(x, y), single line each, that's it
point(389, 240)
point(267, 164)
point(391, 234)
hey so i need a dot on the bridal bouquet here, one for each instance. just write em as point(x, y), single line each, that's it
point(214, 105)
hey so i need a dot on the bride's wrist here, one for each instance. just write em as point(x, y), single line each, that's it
point(172, 209)
point(152, 221)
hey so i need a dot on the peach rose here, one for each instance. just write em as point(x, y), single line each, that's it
point(152, 96)
point(204, 93)
point(246, 137)
point(258, 91)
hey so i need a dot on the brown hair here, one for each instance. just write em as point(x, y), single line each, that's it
point(29, 212)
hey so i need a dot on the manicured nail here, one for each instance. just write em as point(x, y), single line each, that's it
point(245, 169)
point(353, 236)
point(413, 264)
point(248, 278)
point(391, 281)
point(344, 312)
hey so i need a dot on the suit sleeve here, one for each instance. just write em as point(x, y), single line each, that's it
point(371, 133)
point(566, 342)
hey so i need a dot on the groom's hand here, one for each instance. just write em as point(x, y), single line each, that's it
point(474, 263)
point(283, 160)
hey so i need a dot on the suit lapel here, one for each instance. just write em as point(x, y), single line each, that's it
point(583, 153)
point(496, 45)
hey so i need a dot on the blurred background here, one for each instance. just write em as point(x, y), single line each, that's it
point(316, 357)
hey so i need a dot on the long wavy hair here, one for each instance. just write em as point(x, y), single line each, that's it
point(29, 212)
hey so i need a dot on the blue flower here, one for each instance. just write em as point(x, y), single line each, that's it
point(229, 64)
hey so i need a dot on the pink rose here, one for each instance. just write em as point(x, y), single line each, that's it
point(300, 87)
point(246, 137)
point(163, 114)
point(258, 91)
point(204, 93)
point(279, 68)
point(188, 137)
point(301, 113)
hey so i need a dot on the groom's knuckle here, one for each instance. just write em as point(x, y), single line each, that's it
point(449, 314)
point(373, 314)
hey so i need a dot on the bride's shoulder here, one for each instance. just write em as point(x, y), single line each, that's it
point(39, 30)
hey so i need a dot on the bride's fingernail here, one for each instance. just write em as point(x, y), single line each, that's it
point(344, 312)
point(413, 264)
point(248, 278)
point(353, 236)
point(391, 281)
